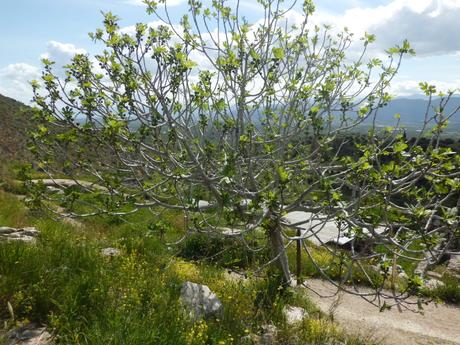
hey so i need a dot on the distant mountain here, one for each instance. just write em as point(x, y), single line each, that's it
point(14, 121)
point(412, 111)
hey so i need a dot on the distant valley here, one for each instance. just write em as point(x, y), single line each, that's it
point(412, 111)
point(14, 121)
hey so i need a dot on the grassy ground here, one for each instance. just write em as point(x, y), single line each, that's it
point(64, 282)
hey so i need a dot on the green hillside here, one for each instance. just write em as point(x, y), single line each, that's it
point(14, 122)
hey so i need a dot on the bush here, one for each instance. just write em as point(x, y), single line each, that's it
point(225, 252)
point(449, 292)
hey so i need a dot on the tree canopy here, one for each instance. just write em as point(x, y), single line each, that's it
point(239, 124)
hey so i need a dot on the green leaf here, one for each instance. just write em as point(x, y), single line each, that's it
point(336, 196)
point(189, 64)
point(399, 147)
point(244, 139)
point(283, 175)
point(254, 54)
point(366, 166)
point(363, 111)
point(278, 53)
point(369, 38)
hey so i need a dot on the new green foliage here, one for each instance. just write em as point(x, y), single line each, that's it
point(239, 126)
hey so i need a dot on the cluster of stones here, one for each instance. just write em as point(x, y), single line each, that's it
point(28, 234)
point(454, 264)
point(432, 279)
point(30, 334)
point(201, 302)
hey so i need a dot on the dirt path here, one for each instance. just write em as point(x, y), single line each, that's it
point(64, 183)
point(438, 326)
point(59, 210)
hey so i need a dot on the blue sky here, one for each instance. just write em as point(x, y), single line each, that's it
point(30, 29)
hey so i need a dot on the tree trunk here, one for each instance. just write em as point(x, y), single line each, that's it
point(279, 250)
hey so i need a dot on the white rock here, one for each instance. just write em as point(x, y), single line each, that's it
point(399, 272)
point(403, 275)
point(203, 204)
point(454, 263)
point(4, 230)
point(29, 335)
point(27, 239)
point(421, 268)
point(27, 234)
point(250, 339)
point(434, 275)
point(200, 300)
point(110, 251)
point(230, 232)
point(55, 190)
point(433, 284)
point(294, 314)
point(269, 335)
point(30, 231)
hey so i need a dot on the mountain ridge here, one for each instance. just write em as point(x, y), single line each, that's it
point(14, 122)
point(412, 110)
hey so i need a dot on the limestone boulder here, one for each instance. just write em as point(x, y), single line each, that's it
point(294, 314)
point(433, 284)
point(421, 268)
point(269, 335)
point(199, 300)
point(454, 263)
point(110, 252)
point(30, 334)
point(27, 234)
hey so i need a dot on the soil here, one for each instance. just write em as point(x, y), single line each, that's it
point(439, 324)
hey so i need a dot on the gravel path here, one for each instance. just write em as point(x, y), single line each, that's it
point(438, 325)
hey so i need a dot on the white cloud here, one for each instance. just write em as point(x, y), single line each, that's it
point(411, 87)
point(15, 78)
point(61, 53)
point(427, 24)
point(430, 26)
point(14, 81)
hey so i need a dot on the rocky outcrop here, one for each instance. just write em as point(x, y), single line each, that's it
point(268, 336)
point(433, 284)
point(61, 183)
point(110, 252)
point(199, 300)
point(421, 268)
point(28, 335)
point(294, 314)
point(28, 234)
point(454, 263)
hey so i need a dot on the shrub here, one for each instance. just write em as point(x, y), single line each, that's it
point(449, 292)
point(226, 252)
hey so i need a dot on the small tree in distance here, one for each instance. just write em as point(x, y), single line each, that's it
point(253, 119)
